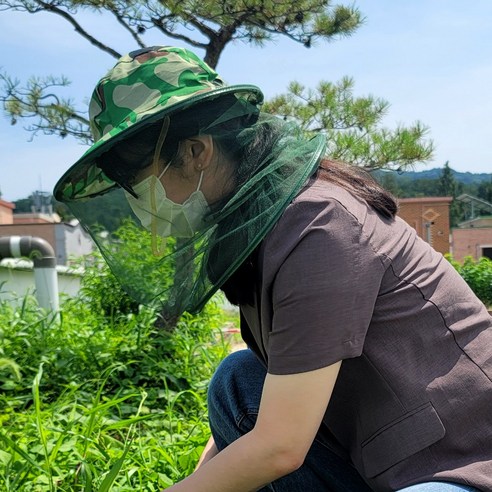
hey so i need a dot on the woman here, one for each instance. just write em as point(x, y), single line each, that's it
point(370, 360)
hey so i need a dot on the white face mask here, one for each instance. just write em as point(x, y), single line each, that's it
point(162, 216)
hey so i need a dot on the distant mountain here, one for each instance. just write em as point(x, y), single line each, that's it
point(465, 178)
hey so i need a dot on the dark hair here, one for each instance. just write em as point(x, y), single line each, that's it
point(125, 160)
point(239, 288)
point(360, 183)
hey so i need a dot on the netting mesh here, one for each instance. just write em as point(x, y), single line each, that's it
point(275, 160)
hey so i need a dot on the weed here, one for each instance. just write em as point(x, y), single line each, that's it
point(91, 402)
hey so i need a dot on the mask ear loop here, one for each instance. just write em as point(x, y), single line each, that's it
point(200, 181)
point(157, 246)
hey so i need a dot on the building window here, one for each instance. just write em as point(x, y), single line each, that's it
point(487, 252)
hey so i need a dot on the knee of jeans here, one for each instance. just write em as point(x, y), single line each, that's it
point(234, 396)
point(237, 382)
point(228, 371)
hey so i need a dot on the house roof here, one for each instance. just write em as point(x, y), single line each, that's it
point(480, 222)
point(5, 204)
point(476, 202)
point(427, 199)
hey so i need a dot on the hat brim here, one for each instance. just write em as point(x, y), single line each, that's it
point(84, 179)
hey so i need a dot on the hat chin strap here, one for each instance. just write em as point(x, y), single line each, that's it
point(157, 244)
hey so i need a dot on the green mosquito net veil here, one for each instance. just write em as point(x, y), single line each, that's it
point(271, 159)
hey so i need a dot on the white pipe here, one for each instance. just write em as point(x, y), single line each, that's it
point(46, 281)
point(15, 246)
point(43, 257)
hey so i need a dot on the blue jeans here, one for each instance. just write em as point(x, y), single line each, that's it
point(233, 402)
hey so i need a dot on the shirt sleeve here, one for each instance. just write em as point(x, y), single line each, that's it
point(324, 293)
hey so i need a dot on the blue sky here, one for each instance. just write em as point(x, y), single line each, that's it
point(431, 59)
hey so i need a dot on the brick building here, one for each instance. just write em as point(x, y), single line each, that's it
point(473, 238)
point(429, 216)
point(6, 212)
point(36, 218)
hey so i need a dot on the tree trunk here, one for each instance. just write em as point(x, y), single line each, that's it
point(212, 55)
point(218, 43)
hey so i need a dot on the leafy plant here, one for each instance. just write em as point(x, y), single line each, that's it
point(478, 275)
point(83, 441)
point(92, 401)
point(102, 291)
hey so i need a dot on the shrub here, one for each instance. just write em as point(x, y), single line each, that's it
point(99, 396)
point(83, 393)
point(133, 247)
point(478, 275)
point(103, 293)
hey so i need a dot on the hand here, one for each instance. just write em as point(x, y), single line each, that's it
point(208, 453)
point(292, 407)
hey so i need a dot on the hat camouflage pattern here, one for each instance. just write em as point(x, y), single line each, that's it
point(143, 87)
point(270, 159)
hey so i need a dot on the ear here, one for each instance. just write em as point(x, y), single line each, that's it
point(199, 151)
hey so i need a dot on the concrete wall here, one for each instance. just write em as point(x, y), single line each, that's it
point(76, 242)
point(67, 240)
point(429, 216)
point(45, 231)
point(17, 280)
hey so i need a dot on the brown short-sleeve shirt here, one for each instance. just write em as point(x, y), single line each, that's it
point(413, 400)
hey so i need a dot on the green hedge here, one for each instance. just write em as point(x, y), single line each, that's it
point(478, 275)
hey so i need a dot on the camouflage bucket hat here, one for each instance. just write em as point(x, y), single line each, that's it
point(143, 87)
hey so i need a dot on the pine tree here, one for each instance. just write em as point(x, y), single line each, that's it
point(448, 186)
point(484, 191)
point(352, 125)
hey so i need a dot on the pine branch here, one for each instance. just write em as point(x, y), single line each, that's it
point(204, 29)
point(157, 22)
point(78, 28)
point(54, 115)
point(126, 26)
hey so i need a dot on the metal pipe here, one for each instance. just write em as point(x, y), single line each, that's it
point(428, 234)
point(43, 257)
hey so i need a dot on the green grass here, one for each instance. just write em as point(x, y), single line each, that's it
point(95, 402)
